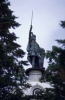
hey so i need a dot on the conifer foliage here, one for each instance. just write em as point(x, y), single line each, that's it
point(11, 63)
point(55, 73)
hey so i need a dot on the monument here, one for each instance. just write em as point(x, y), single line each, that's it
point(35, 56)
point(35, 53)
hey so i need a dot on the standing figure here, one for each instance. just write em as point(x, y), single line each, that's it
point(33, 50)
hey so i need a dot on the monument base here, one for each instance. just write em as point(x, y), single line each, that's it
point(34, 74)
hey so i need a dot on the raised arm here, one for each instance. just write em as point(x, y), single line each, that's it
point(30, 33)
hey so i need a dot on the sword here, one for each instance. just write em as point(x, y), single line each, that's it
point(30, 30)
point(31, 18)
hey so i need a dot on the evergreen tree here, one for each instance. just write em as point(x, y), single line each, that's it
point(12, 74)
point(55, 73)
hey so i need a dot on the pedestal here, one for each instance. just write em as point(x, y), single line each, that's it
point(34, 74)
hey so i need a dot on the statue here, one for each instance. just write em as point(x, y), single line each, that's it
point(35, 53)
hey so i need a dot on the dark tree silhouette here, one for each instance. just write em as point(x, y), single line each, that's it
point(11, 67)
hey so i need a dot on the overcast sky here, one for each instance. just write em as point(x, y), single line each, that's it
point(47, 15)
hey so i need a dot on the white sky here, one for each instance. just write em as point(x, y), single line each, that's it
point(47, 15)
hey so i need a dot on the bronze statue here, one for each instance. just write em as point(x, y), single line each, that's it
point(35, 53)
